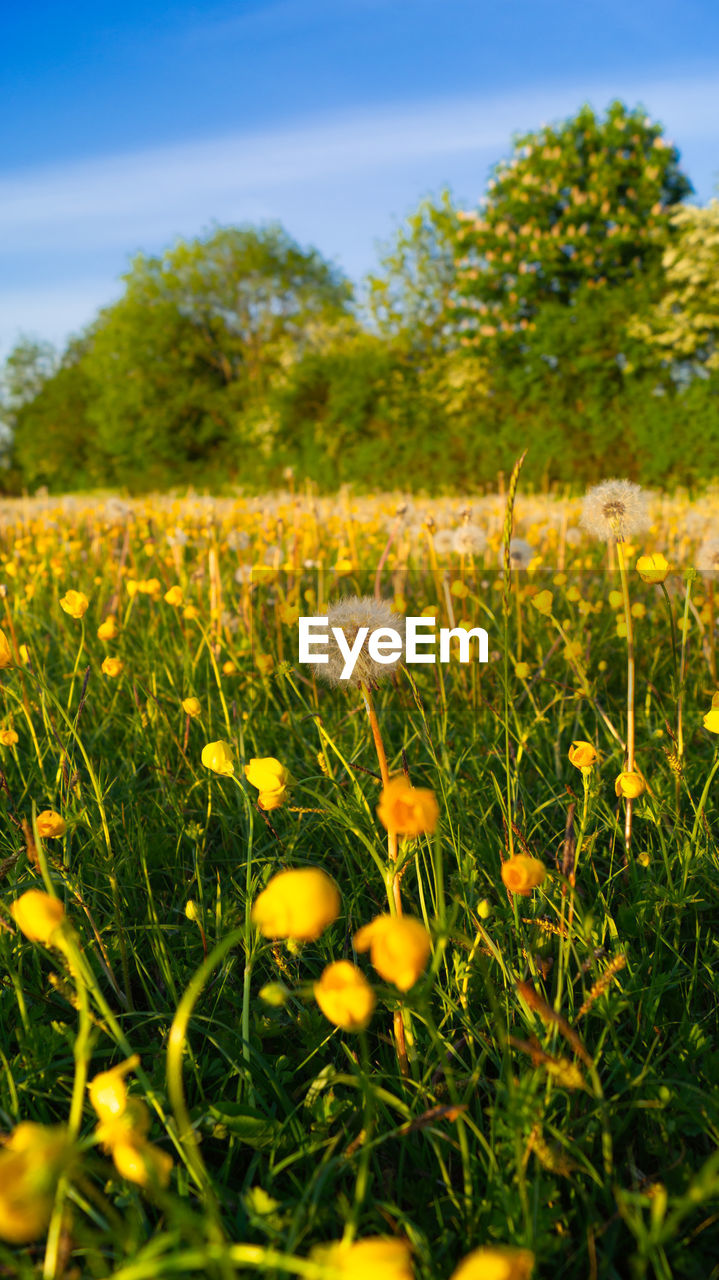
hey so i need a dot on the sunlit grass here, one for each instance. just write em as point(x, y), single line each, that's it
point(540, 1077)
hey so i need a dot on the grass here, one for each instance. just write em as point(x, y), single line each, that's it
point(562, 1090)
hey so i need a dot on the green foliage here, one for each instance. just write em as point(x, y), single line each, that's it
point(577, 311)
point(583, 203)
point(53, 438)
point(609, 1168)
point(410, 299)
point(684, 325)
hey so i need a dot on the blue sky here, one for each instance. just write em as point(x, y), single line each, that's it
point(129, 125)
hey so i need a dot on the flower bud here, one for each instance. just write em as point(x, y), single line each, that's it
point(582, 755)
point(345, 996)
point(297, 904)
point(399, 948)
point(521, 874)
point(75, 603)
point(630, 785)
point(653, 568)
point(50, 825)
point(407, 810)
point(217, 756)
point(38, 915)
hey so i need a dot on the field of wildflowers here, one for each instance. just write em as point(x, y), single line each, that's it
point(409, 975)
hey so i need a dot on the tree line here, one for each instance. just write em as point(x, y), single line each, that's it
point(576, 310)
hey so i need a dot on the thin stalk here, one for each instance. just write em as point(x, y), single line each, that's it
point(630, 686)
point(394, 893)
point(712, 638)
point(68, 944)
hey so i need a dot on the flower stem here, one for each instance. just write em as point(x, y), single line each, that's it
point(394, 894)
point(630, 686)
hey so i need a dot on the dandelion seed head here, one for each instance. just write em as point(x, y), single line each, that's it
point(443, 541)
point(349, 615)
point(469, 540)
point(707, 559)
point(615, 510)
point(521, 554)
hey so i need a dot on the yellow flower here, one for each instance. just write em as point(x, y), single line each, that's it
point(8, 737)
point(630, 785)
point(345, 996)
point(174, 596)
point(107, 630)
point(112, 667)
point(128, 1128)
point(380, 1257)
point(5, 652)
point(264, 663)
point(521, 670)
point(38, 915)
point(499, 1262)
point(24, 653)
point(108, 1091)
point(218, 757)
point(142, 1163)
point(298, 904)
point(272, 799)
point(408, 810)
point(582, 755)
point(50, 825)
point(191, 706)
point(653, 568)
point(542, 602)
point(711, 720)
point(521, 874)
point(30, 1164)
point(229, 668)
point(190, 612)
point(75, 603)
point(266, 774)
point(399, 948)
point(573, 651)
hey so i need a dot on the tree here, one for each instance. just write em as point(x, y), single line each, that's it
point(52, 442)
point(409, 298)
point(580, 205)
point(684, 325)
point(180, 364)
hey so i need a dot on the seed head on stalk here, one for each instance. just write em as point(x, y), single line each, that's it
point(507, 544)
point(615, 510)
point(351, 614)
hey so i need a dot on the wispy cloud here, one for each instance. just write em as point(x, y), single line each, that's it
point(123, 194)
point(282, 16)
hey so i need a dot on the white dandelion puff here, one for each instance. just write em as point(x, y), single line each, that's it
point(444, 541)
point(707, 559)
point(469, 540)
point(521, 554)
point(350, 615)
point(615, 510)
point(238, 540)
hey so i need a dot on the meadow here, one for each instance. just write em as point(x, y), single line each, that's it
point(251, 1025)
